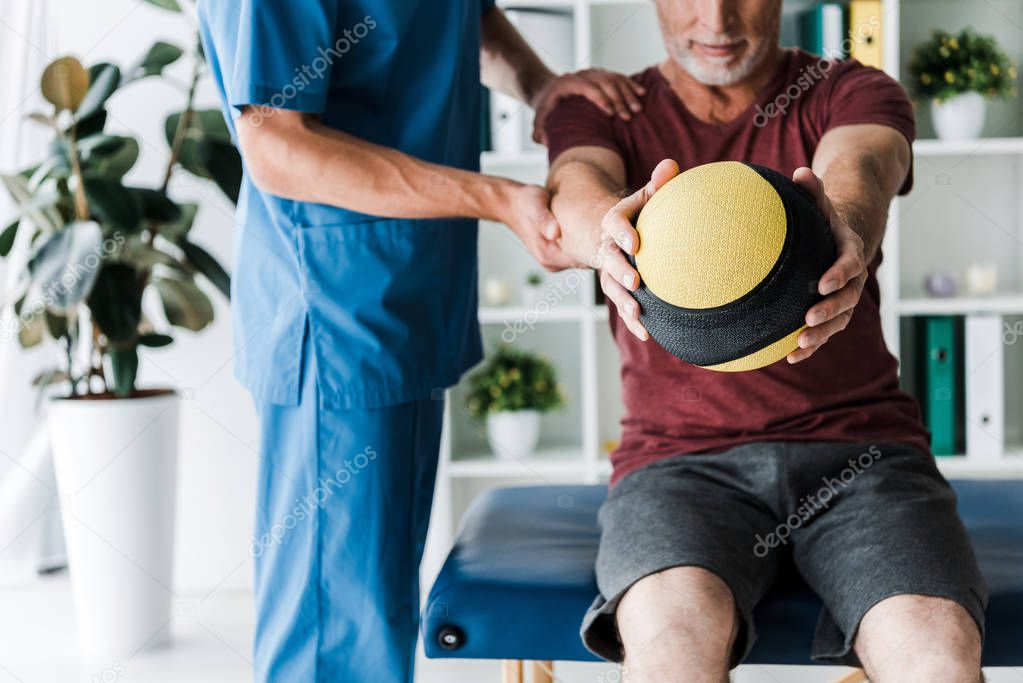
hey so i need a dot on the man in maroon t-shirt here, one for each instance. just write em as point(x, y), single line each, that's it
point(817, 463)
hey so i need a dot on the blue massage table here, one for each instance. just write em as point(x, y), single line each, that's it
point(520, 577)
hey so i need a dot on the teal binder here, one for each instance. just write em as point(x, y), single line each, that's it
point(822, 29)
point(942, 400)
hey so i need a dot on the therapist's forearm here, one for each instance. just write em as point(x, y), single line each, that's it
point(507, 63)
point(295, 156)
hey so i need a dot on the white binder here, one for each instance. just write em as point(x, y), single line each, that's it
point(985, 377)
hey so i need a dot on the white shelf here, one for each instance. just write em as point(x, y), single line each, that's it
point(1005, 304)
point(548, 314)
point(959, 467)
point(979, 147)
point(555, 462)
point(496, 162)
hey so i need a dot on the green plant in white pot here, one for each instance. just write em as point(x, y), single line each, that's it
point(511, 391)
point(957, 74)
point(96, 244)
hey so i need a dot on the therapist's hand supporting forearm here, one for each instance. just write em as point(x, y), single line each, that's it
point(293, 155)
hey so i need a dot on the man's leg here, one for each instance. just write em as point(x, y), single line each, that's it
point(344, 503)
point(679, 568)
point(885, 549)
point(678, 624)
point(916, 638)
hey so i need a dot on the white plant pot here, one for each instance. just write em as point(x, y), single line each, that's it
point(960, 118)
point(532, 294)
point(116, 467)
point(513, 435)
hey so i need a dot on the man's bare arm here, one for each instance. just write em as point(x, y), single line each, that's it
point(859, 169)
point(588, 185)
point(293, 155)
point(863, 166)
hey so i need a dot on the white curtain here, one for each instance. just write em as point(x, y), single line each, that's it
point(29, 521)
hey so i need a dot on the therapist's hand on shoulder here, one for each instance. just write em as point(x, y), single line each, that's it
point(526, 210)
point(615, 94)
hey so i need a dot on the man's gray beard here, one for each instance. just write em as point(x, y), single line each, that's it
point(716, 74)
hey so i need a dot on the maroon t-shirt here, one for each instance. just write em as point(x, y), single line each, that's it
point(848, 390)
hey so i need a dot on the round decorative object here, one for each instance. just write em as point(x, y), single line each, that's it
point(729, 259)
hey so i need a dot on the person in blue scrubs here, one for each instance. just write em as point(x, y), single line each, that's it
point(354, 291)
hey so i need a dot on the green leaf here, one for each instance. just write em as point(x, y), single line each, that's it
point(8, 236)
point(113, 203)
point(50, 376)
point(116, 302)
point(64, 267)
point(190, 158)
point(175, 231)
point(155, 341)
point(108, 155)
point(160, 55)
point(204, 123)
point(225, 165)
point(208, 266)
point(184, 303)
point(64, 83)
point(56, 324)
point(30, 331)
point(46, 219)
point(143, 256)
point(56, 166)
point(103, 81)
point(124, 364)
point(157, 206)
point(90, 125)
point(171, 5)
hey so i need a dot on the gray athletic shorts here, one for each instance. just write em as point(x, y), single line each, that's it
point(860, 522)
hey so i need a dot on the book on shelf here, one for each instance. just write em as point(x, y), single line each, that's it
point(932, 372)
point(822, 30)
point(985, 386)
point(866, 32)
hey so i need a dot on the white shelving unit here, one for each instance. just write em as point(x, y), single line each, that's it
point(966, 205)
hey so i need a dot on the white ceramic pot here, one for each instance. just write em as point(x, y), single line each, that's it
point(532, 295)
point(513, 435)
point(116, 466)
point(960, 118)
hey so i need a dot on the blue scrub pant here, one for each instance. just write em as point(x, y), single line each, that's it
point(343, 508)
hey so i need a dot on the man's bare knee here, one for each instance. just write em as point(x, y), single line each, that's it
point(909, 638)
point(678, 620)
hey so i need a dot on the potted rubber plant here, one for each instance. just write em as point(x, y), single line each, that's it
point(958, 74)
point(510, 392)
point(97, 247)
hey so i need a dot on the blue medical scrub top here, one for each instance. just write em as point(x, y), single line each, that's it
point(389, 306)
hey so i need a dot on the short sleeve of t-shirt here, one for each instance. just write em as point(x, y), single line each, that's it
point(862, 94)
point(283, 52)
point(577, 122)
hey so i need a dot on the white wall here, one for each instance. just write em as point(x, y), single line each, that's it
point(219, 429)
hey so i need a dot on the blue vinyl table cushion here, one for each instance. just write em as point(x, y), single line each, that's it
point(520, 577)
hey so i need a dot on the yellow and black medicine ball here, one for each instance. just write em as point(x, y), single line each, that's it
point(729, 259)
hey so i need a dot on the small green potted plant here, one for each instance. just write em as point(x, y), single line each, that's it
point(532, 289)
point(957, 74)
point(510, 392)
